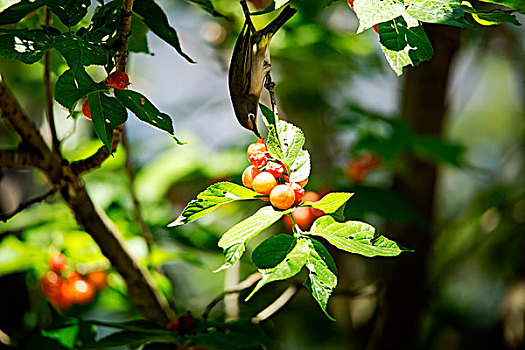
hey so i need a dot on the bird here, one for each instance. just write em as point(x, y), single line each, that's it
point(250, 64)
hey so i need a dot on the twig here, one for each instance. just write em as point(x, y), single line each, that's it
point(247, 283)
point(231, 300)
point(97, 158)
point(284, 298)
point(144, 229)
point(25, 205)
point(269, 85)
point(55, 143)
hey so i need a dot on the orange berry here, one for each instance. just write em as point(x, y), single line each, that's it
point(261, 140)
point(248, 175)
point(259, 159)
point(98, 279)
point(298, 191)
point(282, 196)
point(256, 147)
point(264, 183)
point(65, 298)
point(276, 169)
point(50, 284)
point(83, 291)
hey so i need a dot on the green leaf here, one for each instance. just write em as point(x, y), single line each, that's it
point(107, 113)
point(322, 279)
point(397, 59)
point(231, 335)
point(27, 46)
point(513, 4)
point(354, 237)
point(331, 202)
point(490, 17)
point(437, 150)
point(290, 266)
point(395, 35)
point(210, 199)
point(234, 240)
point(72, 86)
point(207, 5)
point(16, 256)
point(129, 338)
point(138, 41)
point(269, 116)
point(78, 52)
point(70, 12)
point(157, 21)
point(272, 251)
point(16, 12)
point(372, 12)
point(146, 111)
point(105, 25)
point(285, 143)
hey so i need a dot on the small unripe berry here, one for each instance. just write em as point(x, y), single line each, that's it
point(298, 191)
point(248, 175)
point(276, 169)
point(118, 80)
point(256, 147)
point(282, 196)
point(258, 159)
point(264, 183)
point(85, 109)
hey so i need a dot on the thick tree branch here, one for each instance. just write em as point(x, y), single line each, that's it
point(25, 205)
point(55, 143)
point(18, 159)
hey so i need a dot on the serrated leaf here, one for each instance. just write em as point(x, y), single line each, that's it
point(331, 202)
point(210, 199)
point(289, 267)
point(107, 113)
point(70, 12)
point(372, 12)
point(16, 12)
point(355, 237)
point(324, 254)
point(272, 251)
point(397, 59)
point(138, 41)
point(157, 22)
point(71, 87)
point(207, 5)
point(300, 168)
point(78, 52)
point(27, 46)
point(146, 111)
point(322, 280)
point(234, 240)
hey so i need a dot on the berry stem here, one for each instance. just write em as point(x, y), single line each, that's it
point(295, 228)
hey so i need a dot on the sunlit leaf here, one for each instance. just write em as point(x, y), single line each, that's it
point(331, 202)
point(72, 86)
point(27, 46)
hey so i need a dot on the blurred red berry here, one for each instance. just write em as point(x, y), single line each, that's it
point(57, 261)
point(118, 80)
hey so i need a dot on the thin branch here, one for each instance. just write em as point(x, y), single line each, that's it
point(269, 85)
point(231, 300)
point(284, 298)
point(18, 159)
point(25, 205)
point(144, 229)
point(247, 283)
point(55, 143)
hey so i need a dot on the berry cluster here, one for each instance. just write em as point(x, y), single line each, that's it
point(359, 168)
point(65, 288)
point(116, 80)
point(268, 176)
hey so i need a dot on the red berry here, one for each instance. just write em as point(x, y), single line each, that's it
point(350, 3)
point(50, 284)
point(376, 28)
point(82, 291)
point(259, 159)
point(118, 80)
point(57, 261)
point(261, 140)
point(276, 169)
point(85, 109)
point(98, 279)
point(298, 191)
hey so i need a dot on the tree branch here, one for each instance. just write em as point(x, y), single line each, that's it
point(97, 158)
point(55, 143)
point(284, 298)
point(25, 205)
point(18, 159)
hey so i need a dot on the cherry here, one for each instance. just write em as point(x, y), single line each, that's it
point(276, 169)
point(375, 27)
point(248, 175)
point(98, 279)
point(50, 284)
point(261, 140)
point(85, 109)
point(264, 183)
point(256, 147)
point(298, 192)
point(118, 80)
point(83, 292)
point(282, 196)
point(57, 261)
point(258, 159)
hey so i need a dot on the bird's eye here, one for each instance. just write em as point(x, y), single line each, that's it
point(251, 116)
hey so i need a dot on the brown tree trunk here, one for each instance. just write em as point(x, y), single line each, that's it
point(423, 107)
